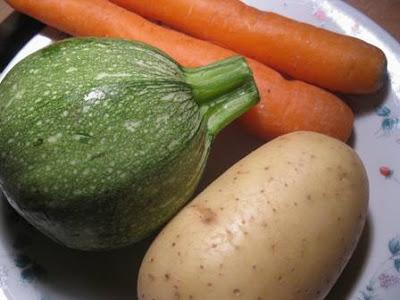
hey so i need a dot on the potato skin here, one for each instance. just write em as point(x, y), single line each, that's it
point(279, 225)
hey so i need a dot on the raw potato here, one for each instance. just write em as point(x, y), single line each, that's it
point(279, 225)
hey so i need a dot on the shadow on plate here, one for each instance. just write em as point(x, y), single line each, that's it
point(61, 273)
point(346, 283)
point(231, 145)
point(365, 104)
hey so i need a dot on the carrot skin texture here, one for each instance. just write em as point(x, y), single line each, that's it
point(318, 56)
point(297, 105)
point(285, 106)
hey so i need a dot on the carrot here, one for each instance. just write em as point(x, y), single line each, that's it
point(318, 56)
point(285, 106)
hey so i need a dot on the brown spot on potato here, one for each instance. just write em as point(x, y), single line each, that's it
point(167, 276)
point(151, 259)
point(266, 168)
point(214, 245)
point(342, 176)
point(190, 297)
point(295, 203)
point(177, 296)
point(286, 185)
point(209, 284)
point(237, 199)
point(270, 179)
point(173, 244)
point(280, 277)
point(201, 267)
point(151, 277)
point(236, 292)
point(207, 215)
point(254, 267)
point(262, 191)
point(309, 197)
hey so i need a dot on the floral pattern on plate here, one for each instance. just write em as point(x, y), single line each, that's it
point(387, 278)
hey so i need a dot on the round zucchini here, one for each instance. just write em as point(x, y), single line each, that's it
point(103, 140)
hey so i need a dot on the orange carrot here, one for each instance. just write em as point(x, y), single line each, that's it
point(305, 52)
point(285, 106)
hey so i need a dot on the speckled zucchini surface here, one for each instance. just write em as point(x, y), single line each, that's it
point(103, 140)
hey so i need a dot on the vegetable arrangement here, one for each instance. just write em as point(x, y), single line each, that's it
point(106, 149)
point(111, 145)
point(285, 106)
point(327, 59)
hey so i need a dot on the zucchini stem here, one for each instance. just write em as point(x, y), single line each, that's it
point(224, 90)
point(230, 106)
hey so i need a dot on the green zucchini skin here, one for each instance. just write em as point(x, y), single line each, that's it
point(101, 141)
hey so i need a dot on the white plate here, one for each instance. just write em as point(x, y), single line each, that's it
point(34, 268)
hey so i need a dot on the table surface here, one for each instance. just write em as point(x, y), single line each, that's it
point(384, 12)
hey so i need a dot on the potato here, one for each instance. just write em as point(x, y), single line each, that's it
point(280, 224)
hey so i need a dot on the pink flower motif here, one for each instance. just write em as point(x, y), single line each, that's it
point(320, 14)
point(386, 171)
point(386, 281)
